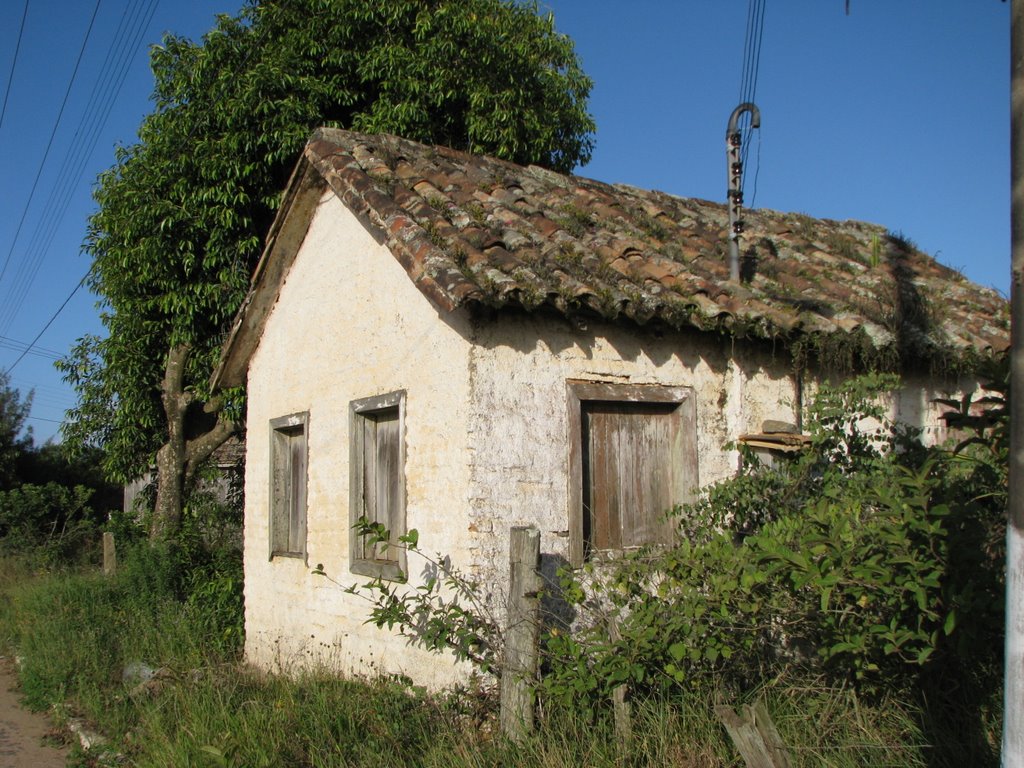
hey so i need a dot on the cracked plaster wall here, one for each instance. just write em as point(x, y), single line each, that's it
point(519, 416)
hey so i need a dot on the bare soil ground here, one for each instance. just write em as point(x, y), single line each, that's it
point(24, 741)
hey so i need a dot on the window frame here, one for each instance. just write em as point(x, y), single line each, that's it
point(283, 431)
point(684, 449)
point(359, 411)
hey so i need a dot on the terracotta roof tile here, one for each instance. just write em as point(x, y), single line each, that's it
point(472, 229)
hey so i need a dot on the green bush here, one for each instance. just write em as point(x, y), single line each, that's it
point(215, 601)
point(850, 562)
point(52, 519)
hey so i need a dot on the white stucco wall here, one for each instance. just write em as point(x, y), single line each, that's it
point(349, 324)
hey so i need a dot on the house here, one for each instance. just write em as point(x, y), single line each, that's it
point(457, 344)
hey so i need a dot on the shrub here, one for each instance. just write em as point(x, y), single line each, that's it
point(847, 562)
point(52, 519)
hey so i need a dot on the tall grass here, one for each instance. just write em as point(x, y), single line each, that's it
point(76, 632)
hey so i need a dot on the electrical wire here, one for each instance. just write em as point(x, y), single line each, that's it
point(757, 168)
point(129, 35)
point(20, 346)
point(748, 82)
point(49, 144)
point(49, 322)
point(14, 61)
point(40, 418)
point(81, 282)
point(75, 159)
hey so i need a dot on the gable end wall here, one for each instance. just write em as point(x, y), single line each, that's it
point(349, 324)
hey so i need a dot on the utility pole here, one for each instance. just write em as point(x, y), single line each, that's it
point(733, 140)
point(1013, 681)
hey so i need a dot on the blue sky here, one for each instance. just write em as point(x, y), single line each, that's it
point(897, 113)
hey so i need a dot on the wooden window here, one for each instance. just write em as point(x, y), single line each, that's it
point(633, 456)
point(377, 482)
point(288, 450)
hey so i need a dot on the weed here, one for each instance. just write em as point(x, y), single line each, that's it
point(672, 251)
point(434, 234)
point(651, 226)
point(841, 245)
point(476, 213)
point(901, 241)
point(875, 258)
point(575, 220)
point(804, 226)
point(439, 204)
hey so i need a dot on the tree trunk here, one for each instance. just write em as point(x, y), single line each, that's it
point(170, 482)
point(179, 458)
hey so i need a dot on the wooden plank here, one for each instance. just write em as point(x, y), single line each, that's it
point(377, 481)
point(599, 466)
point(388, 510)
point(578, 515)
point(297, 491)
point(632, 457)
point(278, 493)
point(620, 705)
point(636, 393)
point(629, 463)
point(755, 736)
point(519, 665)
point(288, 447)
point(369, 464)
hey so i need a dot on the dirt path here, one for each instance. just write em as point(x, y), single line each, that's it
point(22, 732)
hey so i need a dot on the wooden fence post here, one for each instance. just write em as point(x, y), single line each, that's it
point(519, 670)
point(755, 736)
point(109, 554)
point(620, 707)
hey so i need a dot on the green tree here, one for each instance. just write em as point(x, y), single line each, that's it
point(182, 212)
point(15, 440)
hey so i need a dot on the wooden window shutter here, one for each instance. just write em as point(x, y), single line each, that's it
point(377, 482)
point(632, 458)
point(288, 480)
point(627, 483)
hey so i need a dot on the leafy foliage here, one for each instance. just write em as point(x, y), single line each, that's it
point(76, 632)
point(53, 520)
point(14, 441)
point(51, 504)
point(182, 213)
point(866, 562)
point(444, 613)
point(855, 561)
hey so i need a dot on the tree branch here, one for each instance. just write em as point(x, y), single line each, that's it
point(201, 448)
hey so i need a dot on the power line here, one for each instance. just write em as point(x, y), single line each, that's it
point(130, 33)
point(48, 323)
point(14, 61)
point(748, 81)
point(40, 418)
point(81, 282)
point(20, 346)
point(49, 144)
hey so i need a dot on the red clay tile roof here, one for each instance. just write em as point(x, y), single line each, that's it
point(476, 230)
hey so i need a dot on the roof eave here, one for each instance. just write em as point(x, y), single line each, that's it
point(303, 193)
